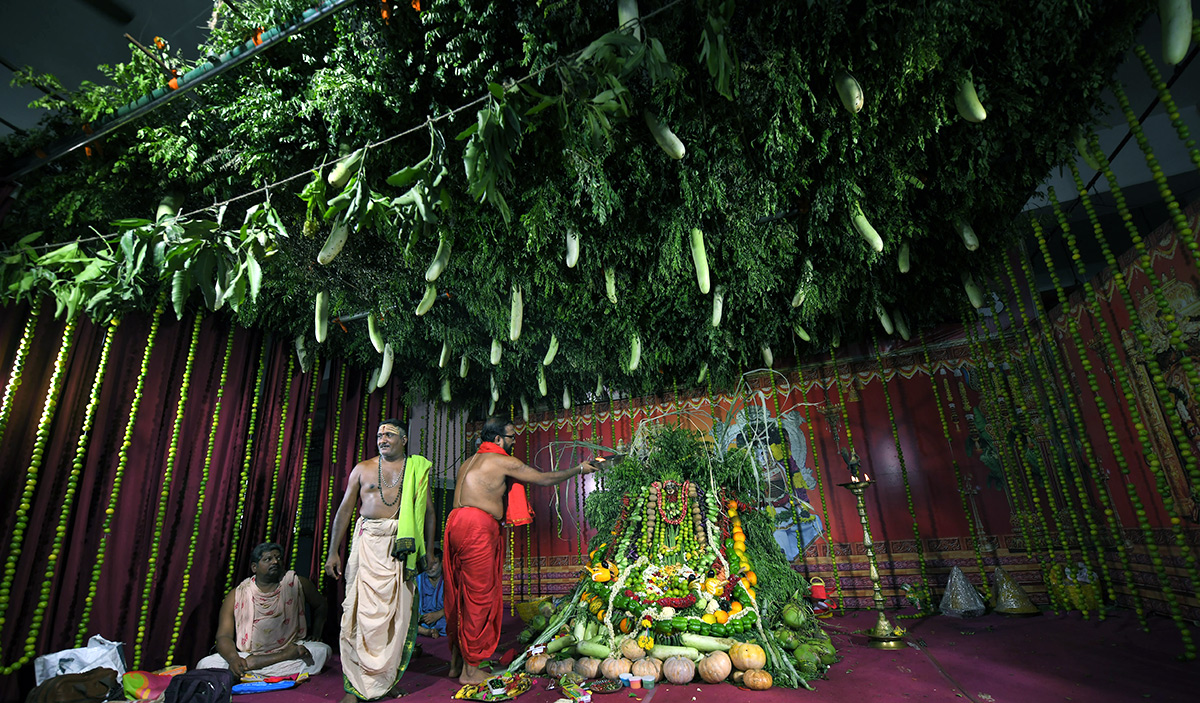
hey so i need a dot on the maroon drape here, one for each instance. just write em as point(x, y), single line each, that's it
point(120, 588)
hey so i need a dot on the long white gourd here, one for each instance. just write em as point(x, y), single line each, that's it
point(967, 102)
point(385, 368)
point(321, 316)
point(516, 314)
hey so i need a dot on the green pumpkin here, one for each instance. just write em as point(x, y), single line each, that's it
point(793, 616)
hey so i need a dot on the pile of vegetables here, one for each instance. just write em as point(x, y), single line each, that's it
point(671, 588)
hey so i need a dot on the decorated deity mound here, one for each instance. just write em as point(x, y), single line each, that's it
point(684, 578)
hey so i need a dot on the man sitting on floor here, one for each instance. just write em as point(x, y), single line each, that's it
point(262, 628)
point(429, 588)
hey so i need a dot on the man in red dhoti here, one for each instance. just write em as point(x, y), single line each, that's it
point(473, 547)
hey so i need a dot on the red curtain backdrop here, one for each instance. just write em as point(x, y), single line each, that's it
point(275, 468)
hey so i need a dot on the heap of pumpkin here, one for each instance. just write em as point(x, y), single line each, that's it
point(672, 594)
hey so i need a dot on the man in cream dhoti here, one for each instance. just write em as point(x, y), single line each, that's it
point(380, 613)
point(262, 628)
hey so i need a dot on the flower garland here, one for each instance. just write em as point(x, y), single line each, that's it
point(164, 494)
point(196, 520)
point(283, 412)
point(1168, 314)
point(326, 527)
point(1164, 96)
point(14, 378)
point(39, 611)
point(122, 462)
point(995, 404)
point(983, 580)
point(247, 463)
point(812, 442)
point(912, 510)
point(314, 391)
point(1155, 467)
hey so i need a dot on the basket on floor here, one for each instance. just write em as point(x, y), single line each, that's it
point(529, 609)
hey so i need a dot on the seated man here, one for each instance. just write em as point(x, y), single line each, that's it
point(262, 628)
point(429, 587)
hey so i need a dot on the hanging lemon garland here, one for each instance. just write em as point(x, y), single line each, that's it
point(1020, 418)
point(122, 462)
point(314, 391)
point(247, 463)
point(35, 464)
point(912, 509)
point(1155, 466)
point(995, 405)
point(958, 482)
point(14, 378)
point(196, 520)
point(287, 397)
point(1164, 96)
point(326, 527)
point(1111, 516)
point(812, 443)
point(1026, 377)
point(363, 427)
point(39, 611)
point(1175, 336)
point(164, 494)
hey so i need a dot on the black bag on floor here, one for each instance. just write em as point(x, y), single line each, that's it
point(85, 687)
point(201, 686)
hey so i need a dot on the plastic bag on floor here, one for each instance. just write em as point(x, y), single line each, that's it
point(98, 653)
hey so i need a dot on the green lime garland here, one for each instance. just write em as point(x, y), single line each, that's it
point(812, 443)
point(1164, 96)
point(39, 611)
point(912, 510)
point(1139, 509)
point(14, 378)
point(196, 520)
point(247, 464)
point(1164, 306)
point(1019, 415)
point(122, 462)
point(1122, 285)
point(1179, 219)
point(333, 465)
point(314, 391)
point(995, 402)
point(363, 445)
point(35, 463)
point(1156, 468)
point(283, 412)
point(1074, 471)
point(164, 494)
point(958, 483)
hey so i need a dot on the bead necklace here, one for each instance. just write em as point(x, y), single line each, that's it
point(393, 484)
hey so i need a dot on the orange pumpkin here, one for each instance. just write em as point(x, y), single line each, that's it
point(746, 656)
point(715, 667)
point(757, 680)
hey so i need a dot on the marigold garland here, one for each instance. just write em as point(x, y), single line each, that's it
point(912, 510)
point(164, 494)
point(1152, 546)
point(196, 520)
point(14, 378)
point(64, 513)
point(958, 483)
point(313, 393)
point(122, 462)
point(283, 412)
point(247, 463)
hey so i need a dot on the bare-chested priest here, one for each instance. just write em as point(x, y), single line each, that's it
point(395, 529)
point(471, 553)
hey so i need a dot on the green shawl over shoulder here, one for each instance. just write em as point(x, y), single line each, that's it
point(412, 508)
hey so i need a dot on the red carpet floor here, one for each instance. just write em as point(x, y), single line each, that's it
point(992, 659)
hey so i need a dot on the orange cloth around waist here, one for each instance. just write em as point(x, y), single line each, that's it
point(472, 559)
